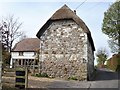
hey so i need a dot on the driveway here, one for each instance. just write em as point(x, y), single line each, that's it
point(104, 79)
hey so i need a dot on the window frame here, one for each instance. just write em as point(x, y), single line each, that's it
point(21, 54)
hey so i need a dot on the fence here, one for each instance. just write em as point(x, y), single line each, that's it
point(21, 78)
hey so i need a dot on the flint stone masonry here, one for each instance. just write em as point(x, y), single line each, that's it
point(90, 58)
point(64, 50)
point(65, 69)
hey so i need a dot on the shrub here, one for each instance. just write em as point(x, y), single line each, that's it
point(44, 75)
point(118, 68)
point(41, 75)
point(73, 78)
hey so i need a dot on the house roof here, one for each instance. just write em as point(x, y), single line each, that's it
point(28, 44)
point(65, 13)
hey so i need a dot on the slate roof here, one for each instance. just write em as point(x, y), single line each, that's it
point(28, 44)
point(65, 13)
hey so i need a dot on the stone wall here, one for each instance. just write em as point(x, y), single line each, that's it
point(90, 58)
point(64, 69)
point(64, 50)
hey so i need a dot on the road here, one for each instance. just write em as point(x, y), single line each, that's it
point(105, 74)
point(104, 79)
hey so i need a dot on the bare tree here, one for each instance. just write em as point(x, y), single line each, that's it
point(23, 36)
point(11, 31)
point(4, 52)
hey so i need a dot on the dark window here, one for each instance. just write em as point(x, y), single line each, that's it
point(20, 53)
point(19, 62)
point(23, 63)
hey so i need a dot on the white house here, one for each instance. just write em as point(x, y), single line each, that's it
point(67, 46)
point(24, 52)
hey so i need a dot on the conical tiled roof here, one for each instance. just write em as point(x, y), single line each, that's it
point(65, 13)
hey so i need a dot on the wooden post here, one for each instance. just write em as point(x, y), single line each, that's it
point(33, 67)
point(0, 69)
point(21, 62)
point(0, 59)
point(26, 77)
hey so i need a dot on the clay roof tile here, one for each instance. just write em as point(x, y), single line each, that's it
point(28, 44)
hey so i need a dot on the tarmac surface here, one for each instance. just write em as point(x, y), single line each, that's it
point(104, 79)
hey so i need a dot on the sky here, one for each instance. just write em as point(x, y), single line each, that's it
point(34, 13)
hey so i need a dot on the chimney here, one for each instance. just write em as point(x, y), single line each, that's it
point(75, 11)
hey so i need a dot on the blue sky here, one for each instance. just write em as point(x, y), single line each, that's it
point(35, 13)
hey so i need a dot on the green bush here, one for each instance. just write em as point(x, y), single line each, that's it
point(72, 78)
point(118, 68)
point(41, 75)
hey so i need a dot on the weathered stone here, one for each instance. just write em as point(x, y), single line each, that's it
point(65, 47)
